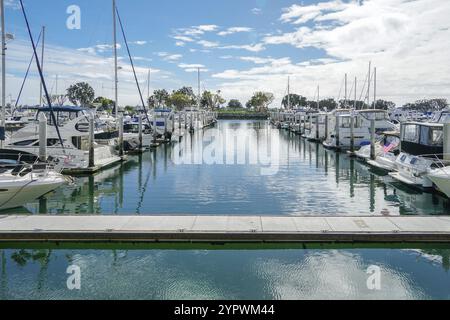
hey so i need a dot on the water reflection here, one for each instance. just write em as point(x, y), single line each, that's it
point(309, 180)
point(198, 274)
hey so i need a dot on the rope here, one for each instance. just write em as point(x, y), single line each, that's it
point(52, 114)
point(26, 75)
point(132, 65)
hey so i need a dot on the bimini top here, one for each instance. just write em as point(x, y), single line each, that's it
point(61, 109)
point(163, 110)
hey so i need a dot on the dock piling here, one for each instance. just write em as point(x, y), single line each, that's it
point(91, 141)
point(141, 144)
point(42, 137)
point(121, 151)
point(372, 139)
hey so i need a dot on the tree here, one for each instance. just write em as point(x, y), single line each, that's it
point(159, 99)
point(294, 101)
point(384, 105)
point(130, 109)
point(328, 104)
point(59, 99)
point(261, 100)
point(427, 105)
point(360, 105)
point(105, 103)
point(234, 104)
point(211, 100)
point(81, 94)
point(180, 100)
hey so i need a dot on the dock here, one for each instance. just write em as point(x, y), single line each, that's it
point(225, 229)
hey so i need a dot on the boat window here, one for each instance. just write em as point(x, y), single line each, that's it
point(403, 158)
point(345, 122)
point(437, 137)
point(411, 133)
point(413, 161)
point(380, 115)
point(24, 143)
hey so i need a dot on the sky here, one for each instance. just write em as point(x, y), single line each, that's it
point(240, 46)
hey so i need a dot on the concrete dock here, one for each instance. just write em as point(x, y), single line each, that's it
point(224, 229)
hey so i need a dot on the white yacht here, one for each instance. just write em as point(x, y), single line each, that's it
point(73, 124)
point(386, 151)
point(162, 122)
point(314, 134)
point(21, 183)
point(361, 128)
point(421, 151)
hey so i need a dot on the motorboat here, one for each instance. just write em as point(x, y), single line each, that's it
point(21, 183)
point(73, 125)
point(361, 128)
point(421, 152)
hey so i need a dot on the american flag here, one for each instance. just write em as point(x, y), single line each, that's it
point(390, 147)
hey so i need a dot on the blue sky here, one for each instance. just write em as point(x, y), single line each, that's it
point(241, 46)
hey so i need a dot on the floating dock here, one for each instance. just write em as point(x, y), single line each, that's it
point(225, 229)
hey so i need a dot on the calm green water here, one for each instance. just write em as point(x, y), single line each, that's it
point(304, 179)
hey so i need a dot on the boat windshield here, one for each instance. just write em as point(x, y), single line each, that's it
point(377, 115)
point(411, 133)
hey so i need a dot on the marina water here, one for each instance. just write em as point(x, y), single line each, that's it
point(304, 179)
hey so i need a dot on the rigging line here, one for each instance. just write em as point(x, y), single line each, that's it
point(340, 90)
point(363, 89)
point(26, 75)
point(44, 85)
point(132, 65)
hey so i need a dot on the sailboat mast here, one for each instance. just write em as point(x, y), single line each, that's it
point(2, 12)
point(42, 64)
point(116, 81)
point(318, 97)
point(345, 98)
point(368, 83)
point(148, 87)
point(289, 93)
point(354, 104)
point(199, 98)
point(375, 88)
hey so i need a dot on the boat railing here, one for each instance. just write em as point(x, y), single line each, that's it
point(438, 159)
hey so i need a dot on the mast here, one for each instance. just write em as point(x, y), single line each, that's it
point(116, 81)
point(42, 65)
point(345, 98)
point(318, 97)
point(368, 83)
point(148, 88)
point(2, 129)
point(354, 104)
point(199, 97)
point(375, 88)
point(289, 93)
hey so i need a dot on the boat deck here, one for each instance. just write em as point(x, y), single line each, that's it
point(222, 229)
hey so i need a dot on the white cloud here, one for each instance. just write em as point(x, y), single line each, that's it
point(256, 11)
point(299, 14)
point(253, 48)
point(183, 38)
point(73, 66)
point(208, 44)
point(192, 67)
point(139, 42)
point(406, 40)
point(234, 30)
point(196, 31)
point(100, 48)
point(169, 57)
